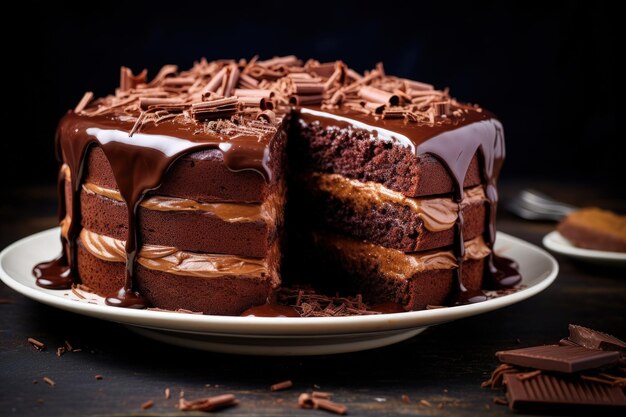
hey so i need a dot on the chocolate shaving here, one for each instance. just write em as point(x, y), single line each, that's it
point(147, 404)
point(267, 115)
point(87, 97)
point(147, 102)
point(162, 74)
point(129, 81)
point(233, 78)
point(60, 351)
point(214, 83)
point(36, 344)
point(167, 393)
point(378, 96)
point(282, 385)
point(308, 401)
point(49, 381)
point(528, 375)
point(425, 403)
point(207, 404)
point(321, 394)
point(215, 109)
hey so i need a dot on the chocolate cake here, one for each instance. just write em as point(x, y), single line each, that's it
point(193, 190)
point(594, 228)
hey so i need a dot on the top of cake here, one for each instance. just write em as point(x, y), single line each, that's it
point(238, 105)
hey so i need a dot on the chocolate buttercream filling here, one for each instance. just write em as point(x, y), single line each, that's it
point(230, 212)
point(438, 214)
point(398, 264)
point(173, 261)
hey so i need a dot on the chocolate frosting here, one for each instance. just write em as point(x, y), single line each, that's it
point(230, 212)
point(145, 127)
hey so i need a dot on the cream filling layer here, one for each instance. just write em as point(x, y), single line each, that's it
point(173, 261)
point(438, 213)
point(229, 212)
point(391, 262)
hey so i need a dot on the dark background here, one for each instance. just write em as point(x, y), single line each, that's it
point(548, 71)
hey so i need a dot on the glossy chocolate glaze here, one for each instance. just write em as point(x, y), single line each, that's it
point(140, 161)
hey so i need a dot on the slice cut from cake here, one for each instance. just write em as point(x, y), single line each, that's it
point(593, 228)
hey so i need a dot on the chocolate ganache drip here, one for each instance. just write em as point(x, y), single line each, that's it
point(237, 107)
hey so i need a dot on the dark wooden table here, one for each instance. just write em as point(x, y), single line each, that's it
point(444, 366)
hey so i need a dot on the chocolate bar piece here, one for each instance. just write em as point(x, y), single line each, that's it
point(566, 359)
point(593, 339)
point(547, 392)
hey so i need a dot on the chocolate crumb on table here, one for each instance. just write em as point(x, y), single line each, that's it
point(308, 401)
point(36, 344)
point(49, 381)
point(282, 385)
point(208, 403)
point(148, 404)
point(167, 393)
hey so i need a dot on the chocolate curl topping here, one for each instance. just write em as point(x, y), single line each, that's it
point(441, 108)
point(260, 93)
point(129, 81)
point(280, 61)
point(416, 85)
point(215, 109)
point(304, 100)
point(267, 115)
point(215, 82)
point(165, 71)
point(325, 70)
point(378, 96)
point(335, 76)
point(178, 81)
point(87, 97)
point(247, 81)
point(146, 103)
point(233, 78)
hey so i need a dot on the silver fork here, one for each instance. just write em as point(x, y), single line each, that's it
point(534, 205)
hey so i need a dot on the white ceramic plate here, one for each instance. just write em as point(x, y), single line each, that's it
point(268, 336)
point(557, 243)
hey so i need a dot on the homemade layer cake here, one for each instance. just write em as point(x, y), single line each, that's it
point(173, 191)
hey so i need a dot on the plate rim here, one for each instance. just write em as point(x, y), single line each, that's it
point(556, 242)
point(276, 325)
